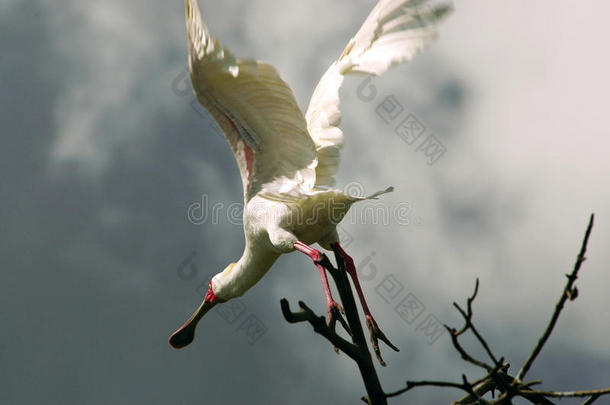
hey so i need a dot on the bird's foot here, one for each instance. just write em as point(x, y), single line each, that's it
point(376, 334)
point(335, 313)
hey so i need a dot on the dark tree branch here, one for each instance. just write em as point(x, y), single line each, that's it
point(357, 350)
point(496, 376)
point(319, 326)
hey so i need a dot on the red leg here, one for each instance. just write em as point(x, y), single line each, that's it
point(374, 330)
point(351, 270)
point(333, 308)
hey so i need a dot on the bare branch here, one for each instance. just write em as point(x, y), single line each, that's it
point(569, 394)
point(455, 334)
point(358, 349)
point(430, 383)
point(483, 385)
point(319, 326)
point(592, 399)
point(496, 376)
point(569, 292)
point(470, 326)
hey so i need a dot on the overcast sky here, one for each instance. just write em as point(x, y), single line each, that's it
point(103, 151)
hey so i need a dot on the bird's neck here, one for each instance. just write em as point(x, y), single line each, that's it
point(235, 280)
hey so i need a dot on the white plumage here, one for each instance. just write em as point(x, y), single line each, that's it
point(287, 160)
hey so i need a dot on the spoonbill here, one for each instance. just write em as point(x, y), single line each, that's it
point(287, 160)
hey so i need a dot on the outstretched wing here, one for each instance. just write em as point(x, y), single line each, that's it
point(394, 32)
point(255, 109)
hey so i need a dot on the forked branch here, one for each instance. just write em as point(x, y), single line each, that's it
point(496, 379)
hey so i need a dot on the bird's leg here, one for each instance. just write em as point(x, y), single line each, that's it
point(333, 308)
point(374, 330)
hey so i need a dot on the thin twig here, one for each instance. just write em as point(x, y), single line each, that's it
point(506, 381)
point(483, 385)
point(430, 383)
point(592, 399)
point(568, 292)
point(454, 334)
point(469, 325)
point(569, 394)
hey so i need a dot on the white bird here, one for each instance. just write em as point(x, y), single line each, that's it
point(287, 160)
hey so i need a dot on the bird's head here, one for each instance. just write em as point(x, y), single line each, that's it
point(185, 335)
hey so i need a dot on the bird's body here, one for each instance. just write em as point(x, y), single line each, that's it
point(287, 159)
point(272, 227)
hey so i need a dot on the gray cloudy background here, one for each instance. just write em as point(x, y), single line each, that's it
point(101, 156)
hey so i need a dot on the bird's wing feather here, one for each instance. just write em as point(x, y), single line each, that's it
point(394, 32)
point(255, 109)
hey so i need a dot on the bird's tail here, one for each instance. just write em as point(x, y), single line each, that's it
point(372, 196)
point(378, 193)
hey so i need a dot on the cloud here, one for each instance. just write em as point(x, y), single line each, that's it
point(118, 59)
